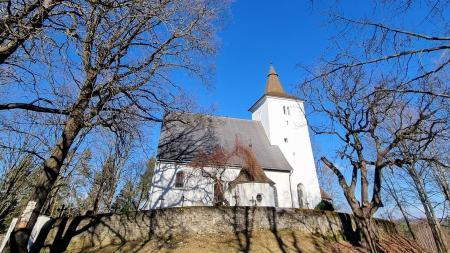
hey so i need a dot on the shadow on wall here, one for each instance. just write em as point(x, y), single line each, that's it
point(84, 232)
point(160, 228)
point(183, 137)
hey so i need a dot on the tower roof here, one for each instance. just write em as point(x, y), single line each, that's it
point(273, 89)
point(273, 86)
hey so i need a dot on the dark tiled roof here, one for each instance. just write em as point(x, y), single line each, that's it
point(244, 177)
point(185, 136)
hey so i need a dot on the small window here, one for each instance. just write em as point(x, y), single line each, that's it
point(179, 179)
point(288, 111)
point(287, 122)
point(286, 140)
point(259, 197)
point(284, 110)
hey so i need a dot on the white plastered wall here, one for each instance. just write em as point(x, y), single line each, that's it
point(281, 180)
point(199, 190)
point(288, 129)
point(245, 194)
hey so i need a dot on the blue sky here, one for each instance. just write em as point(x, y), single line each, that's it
point(285, 33)
point(289, 34)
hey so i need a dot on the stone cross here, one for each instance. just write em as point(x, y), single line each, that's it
point(253, 200)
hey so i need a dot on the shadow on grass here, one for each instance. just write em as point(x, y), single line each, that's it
point(168, 228)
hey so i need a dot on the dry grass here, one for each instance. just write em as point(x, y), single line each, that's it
point(261, 241)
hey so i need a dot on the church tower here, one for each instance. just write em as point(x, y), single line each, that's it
point(283, 119)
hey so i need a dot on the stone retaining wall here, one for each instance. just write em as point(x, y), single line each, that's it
point(92, 231)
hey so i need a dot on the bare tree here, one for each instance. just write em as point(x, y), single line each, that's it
point(125, 201)
point(143, 187)
point(16, 169)
point(438, 234)
point(212, 165)
point(417, 51)
point(327, 181)
point(113, 69)
point(21, 21)
point(133, 193)
point(421, 163)
point(370, 127)
point(415, 190)
point(392, 191)
point(382, 84)
point(107, 179)
point(438, 161)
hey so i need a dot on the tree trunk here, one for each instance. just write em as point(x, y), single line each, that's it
point(435, 227)
point(367, 231)
point(50, 172)
point(47, 177)
point(97, 199)
point(441, 179)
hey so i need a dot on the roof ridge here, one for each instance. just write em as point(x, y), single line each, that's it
point(239, 119)
point(216, 116)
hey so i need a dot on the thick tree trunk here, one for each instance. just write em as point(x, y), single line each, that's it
point(435, 227)
point(51, 169)
point(46, 180)
point(368, 233)
point(363, 214)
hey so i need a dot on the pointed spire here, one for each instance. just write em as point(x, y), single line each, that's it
point(273, 86)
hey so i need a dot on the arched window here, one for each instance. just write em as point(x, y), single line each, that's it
point(289, 112)
point(179, 179)
point(300, 193)
point(284, 110)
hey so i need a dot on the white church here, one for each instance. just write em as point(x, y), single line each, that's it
point(277, 138)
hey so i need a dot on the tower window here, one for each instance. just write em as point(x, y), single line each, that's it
point(286, 140)
point(179, 179)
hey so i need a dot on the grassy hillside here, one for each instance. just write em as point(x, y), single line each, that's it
point(259, 241)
